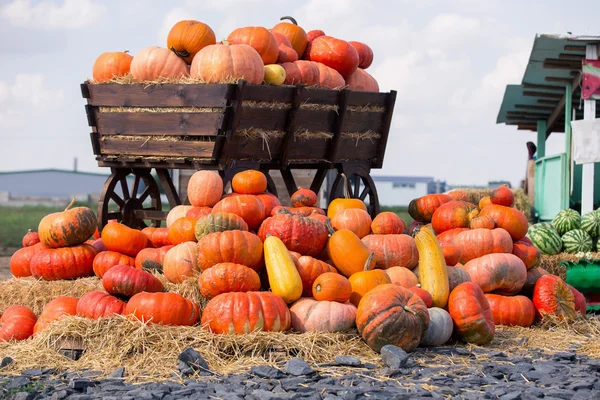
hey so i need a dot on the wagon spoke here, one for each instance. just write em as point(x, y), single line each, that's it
point(124, 187)
point(145, 193)
point(365, 192)
point(115, 197)
point(113, 215)
point(136, 185)
point(356, 186)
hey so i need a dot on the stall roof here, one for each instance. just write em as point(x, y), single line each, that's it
point(555, 61)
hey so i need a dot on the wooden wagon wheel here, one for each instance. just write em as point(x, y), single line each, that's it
point(123, 206)
point(357, 185)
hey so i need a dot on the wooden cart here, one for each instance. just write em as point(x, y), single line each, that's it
point(229, 128)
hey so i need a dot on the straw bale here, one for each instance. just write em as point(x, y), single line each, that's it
point(552, 263)
point(196, 110)
point(521, 202)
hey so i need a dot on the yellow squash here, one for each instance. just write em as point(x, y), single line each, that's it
point(433, 273)
point(284, 278)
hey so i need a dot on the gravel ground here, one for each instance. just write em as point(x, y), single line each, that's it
point(477, 374)
point(5, 268)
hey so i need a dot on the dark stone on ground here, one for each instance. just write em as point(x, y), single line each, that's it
point(348, 361)
point(298, 367)
point(6, 361)
point(17, 382)
point(118, 373)
point(80, 384)
point(265, 371)
point(194, 360)
point(393, 356)
point(25, 396)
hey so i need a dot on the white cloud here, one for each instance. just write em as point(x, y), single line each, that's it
point(451, 29)
point(26, 97)
point(71, 14)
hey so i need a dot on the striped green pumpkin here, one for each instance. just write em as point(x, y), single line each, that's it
point(546, 239)
point(566, 220)
point(590, 223)
point(577, 240)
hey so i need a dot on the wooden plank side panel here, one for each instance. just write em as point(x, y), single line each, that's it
point(145, 123)
point(248, 149)
point(362, 149)
point(309, 149)
point(285, 94)
point(276, 119)
point(165, 95)
point(161, 148)
point(356, 121)
point(367, 98)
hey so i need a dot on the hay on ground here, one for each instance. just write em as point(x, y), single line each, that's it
point(552, 263)
point(196, 110)
point(159, 138)
point(36, 293)
point(521, 202)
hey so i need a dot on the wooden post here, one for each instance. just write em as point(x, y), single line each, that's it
point(587, 178)
point(568, 145)
point(541, 139)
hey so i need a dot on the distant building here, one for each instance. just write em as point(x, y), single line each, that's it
point(400, 190)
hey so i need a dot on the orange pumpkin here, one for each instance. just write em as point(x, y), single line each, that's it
point(183, 230)
point(152, 259)
point(219, 63)
point(392, 250)
point(422, 208)
point(366, 280)
point(448, 236)
point(64, 262)
point(177, 212)
point(453, 214)
point(388, 223)
point(452, 253)
point(335, 53)
point(67, 228)
point(228, 277)
point(483, 222)
point(362, 81)
point(163, 308)
point(402, 276)
point(301, 71)
point(250, 181)
point(97, 304)
point(238, 247)
point(160, 237)
point(502, 196)
point(286, 54)
point(123, 280)
point(340, 204)
point(348, 254)
point(329, 78)
point(108, 259)
point(295, 34)
point(56, 309)
point(511, 310)
point(354, 219)
point(181, 262)
point(282, 39)
point(269, 201)
point(110, 65)
point(121, 238)
point(485, 201)
point(20, 261)
point(186, 38)
point(332, 286)
point(246, 206)
point(154, 63)
point(527, 252)
point(303, 198)
point(510, 219)
point(475, 243)
point(260, 39)
point(205, 188)
point(458, 195)
point(499, 273)
point(552, 296)
point(365, 54)
point(309, 269)
point(198, 212)
point(470, 311)
point(16, 323)
point(32, 238)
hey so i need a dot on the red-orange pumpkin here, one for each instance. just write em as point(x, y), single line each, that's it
point(364, 281)
point(108, 259)
point(56, 309)
point(365, 54)
point(500, 273)
point(552, 296)
point(127, 281)
point(452, 253)
point(362, 81)
point(482, 222)
point(238, 247)
point(186, 38)
point(67, 228)
point(198, 212)
point(30, 238)
point(245, 312)
point(309, 269)
point(250, 208)
point(449, 236)
point(153, 63)
point(470, 311)
point(453, 214)
point(228, 277)
point(511, 310)
point(97, 304)
point(219, 63)
point(286, 54)
point(205, 188)
point(181, 262)
point(527, 252)
point(163, 308)
point(111, 64)
point(502, 196)
point(510, 219)
point(249, 182)
point(301, 71)
point(151, 259)
point(303, 198)
point(458, 195)
point(580, 302)
point(388, 223)
point(177, 212)
point(392, 250)
point(269, 201)
point(20, 261)
point(315, 33)
point(160, 237)
point(16, 323)
point(306, 236)
point(475, 243)
point(332, 286)
point(422, 208)
point(282, 39)
point(121, 238)
point(335, 53)
point(63, 263)
point(260, 39)
point(423, 294)
point(329, 78)
point(182, 230)
point(301, 211)
point(354, 219)
point(391, 314)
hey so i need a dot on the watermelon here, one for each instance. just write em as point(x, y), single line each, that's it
point(577, 240)
point(590, 223)
point(546, 239)
point(566, 220)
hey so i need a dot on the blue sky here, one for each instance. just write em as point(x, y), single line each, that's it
point(449, 60)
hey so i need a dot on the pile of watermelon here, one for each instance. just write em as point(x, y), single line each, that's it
point(568, 232)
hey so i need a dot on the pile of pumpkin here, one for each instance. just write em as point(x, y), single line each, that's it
point(263, 266)
point(285, 54)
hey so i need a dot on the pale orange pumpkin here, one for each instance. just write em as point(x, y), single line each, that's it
point(402, 276)
point(153, 63)
point(354, 219)
point(225, 62)
point(186, 38)
point(329, 78)
point(301, 71)
point(260, 39)
point(181, 262)
point(205, 188)
point(362, 81)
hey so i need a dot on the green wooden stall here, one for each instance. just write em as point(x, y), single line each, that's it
point(546, 101)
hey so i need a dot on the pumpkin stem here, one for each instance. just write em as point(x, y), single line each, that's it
point(70, 204)
point(409, 310)
point(346, 186)
point(329, 227)
point(181, 54)
point(368, 262)
point(291, 19)
point(284, 210)
point(126, 52)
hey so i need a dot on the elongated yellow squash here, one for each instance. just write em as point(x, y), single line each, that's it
point(284, 278)
point(433, 274)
